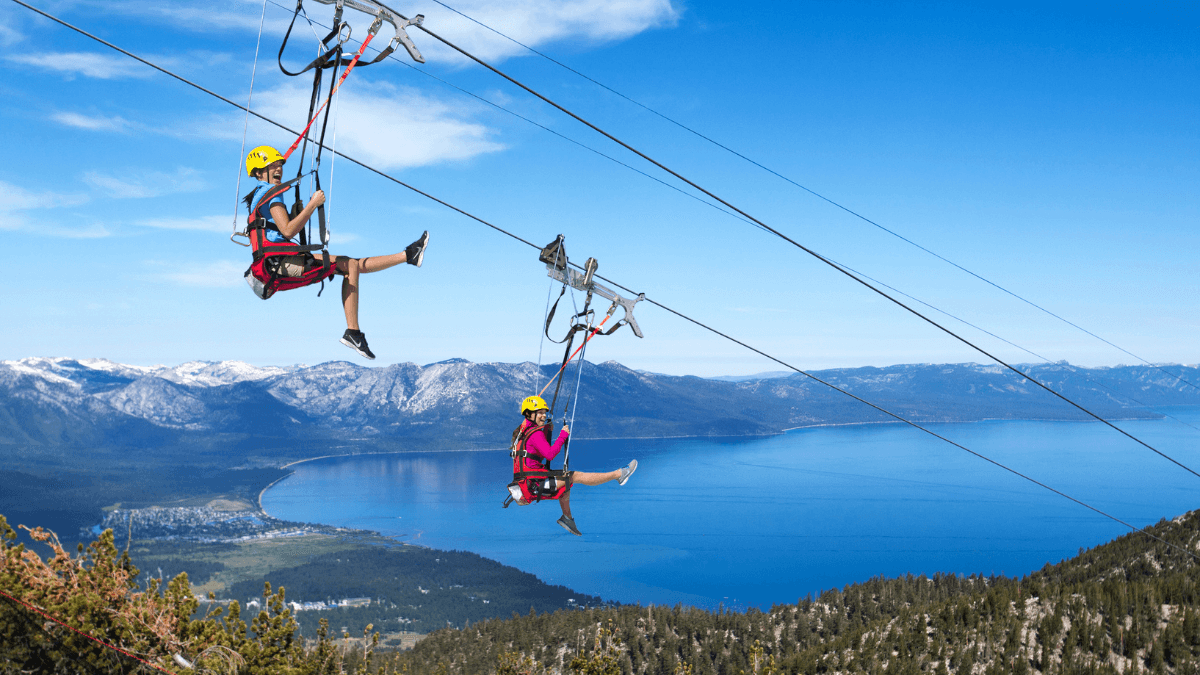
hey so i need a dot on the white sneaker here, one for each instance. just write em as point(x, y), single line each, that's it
point(626, 472)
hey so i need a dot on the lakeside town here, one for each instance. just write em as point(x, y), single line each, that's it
point(202, 524)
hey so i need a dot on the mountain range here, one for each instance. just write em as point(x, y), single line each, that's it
point(62, 402)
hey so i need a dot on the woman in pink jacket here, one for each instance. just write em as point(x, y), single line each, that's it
point(532, 452)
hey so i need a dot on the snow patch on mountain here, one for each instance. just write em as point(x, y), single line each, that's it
point(159, 401)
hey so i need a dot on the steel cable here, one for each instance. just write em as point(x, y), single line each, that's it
point(651, 301)
point(807, 250)
point(818, 195)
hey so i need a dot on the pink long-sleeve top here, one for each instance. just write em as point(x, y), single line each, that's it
point(537, 445)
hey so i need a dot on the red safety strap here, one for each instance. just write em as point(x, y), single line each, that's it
point(564, 365)
point(353, 62)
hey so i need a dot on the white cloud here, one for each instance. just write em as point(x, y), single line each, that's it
point(91, 123)
point(533, 22)
point(215, 274)
point(206, 16)
point(537, 23)
point(202, 223)
point(85, 64)
point(391, 127)
point(146, 183)
point(67, 230)
point(14, 198)
point(10, 16)
point(18, 209)
point(8, 35)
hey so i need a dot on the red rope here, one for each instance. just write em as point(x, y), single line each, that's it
point(353, 62)
point(564, 365)
point(93, 639)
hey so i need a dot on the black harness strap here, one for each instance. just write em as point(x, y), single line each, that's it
point(332, 57)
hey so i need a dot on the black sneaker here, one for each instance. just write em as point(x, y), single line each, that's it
point(569, 525)
point(354, 339)
point(415, 253)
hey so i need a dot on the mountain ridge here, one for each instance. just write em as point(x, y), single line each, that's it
point(62, 401)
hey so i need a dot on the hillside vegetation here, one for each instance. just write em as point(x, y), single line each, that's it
point(1124, 607)
point(1129, 606)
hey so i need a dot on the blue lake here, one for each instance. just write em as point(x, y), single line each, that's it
point(752, 522)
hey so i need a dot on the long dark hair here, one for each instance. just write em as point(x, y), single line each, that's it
point(249, 198)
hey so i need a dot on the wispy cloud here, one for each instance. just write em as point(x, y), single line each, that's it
point(758, 310)
point(68, 230)
point(84, 64)
point(10, 17)
point(204, 16)
point(8, 35)
point(144, 184)
point(213, 274)
point(17, 198)
point(202, 223)
point(533, 22)
point(19, 211)
point(539, 22)
point(93, 122)
point(421, 130)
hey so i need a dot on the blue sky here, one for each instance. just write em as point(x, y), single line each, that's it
point(1053, 148)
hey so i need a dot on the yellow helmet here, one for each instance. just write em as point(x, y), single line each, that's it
point(533, 404)
point(262, 157)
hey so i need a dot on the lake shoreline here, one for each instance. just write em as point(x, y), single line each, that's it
point(853, 500)
point(671, 438)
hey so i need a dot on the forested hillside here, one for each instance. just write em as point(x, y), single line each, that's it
point(1132, 605)
point(1129, 606)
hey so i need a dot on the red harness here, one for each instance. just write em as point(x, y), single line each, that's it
point(268, 254)
point(537, 484)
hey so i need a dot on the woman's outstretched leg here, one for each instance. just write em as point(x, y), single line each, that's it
point(621, 475)
point(413, 254)
point(596, 478)
point(564, 502)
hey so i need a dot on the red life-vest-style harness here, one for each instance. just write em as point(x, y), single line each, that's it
point(534, 484)
point(267, 254)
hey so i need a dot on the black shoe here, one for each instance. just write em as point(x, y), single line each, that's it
point(569, 525)
point(354, 339)
point(415, 253)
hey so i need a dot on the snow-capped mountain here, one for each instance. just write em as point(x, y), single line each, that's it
point(49, 401)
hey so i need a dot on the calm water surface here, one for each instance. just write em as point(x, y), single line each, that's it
point(751, 522)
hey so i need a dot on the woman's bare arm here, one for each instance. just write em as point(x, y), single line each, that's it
point(289, 227)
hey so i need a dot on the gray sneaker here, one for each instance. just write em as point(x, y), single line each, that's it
point(569, 525)
point(626, 472)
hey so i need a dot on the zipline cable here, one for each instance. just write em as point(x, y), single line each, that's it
point(818, 195)
point(237, 191)
point(804, 248)
point(718, 207)
point(1024, 349)
point(549, 130)
point(627, 290)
